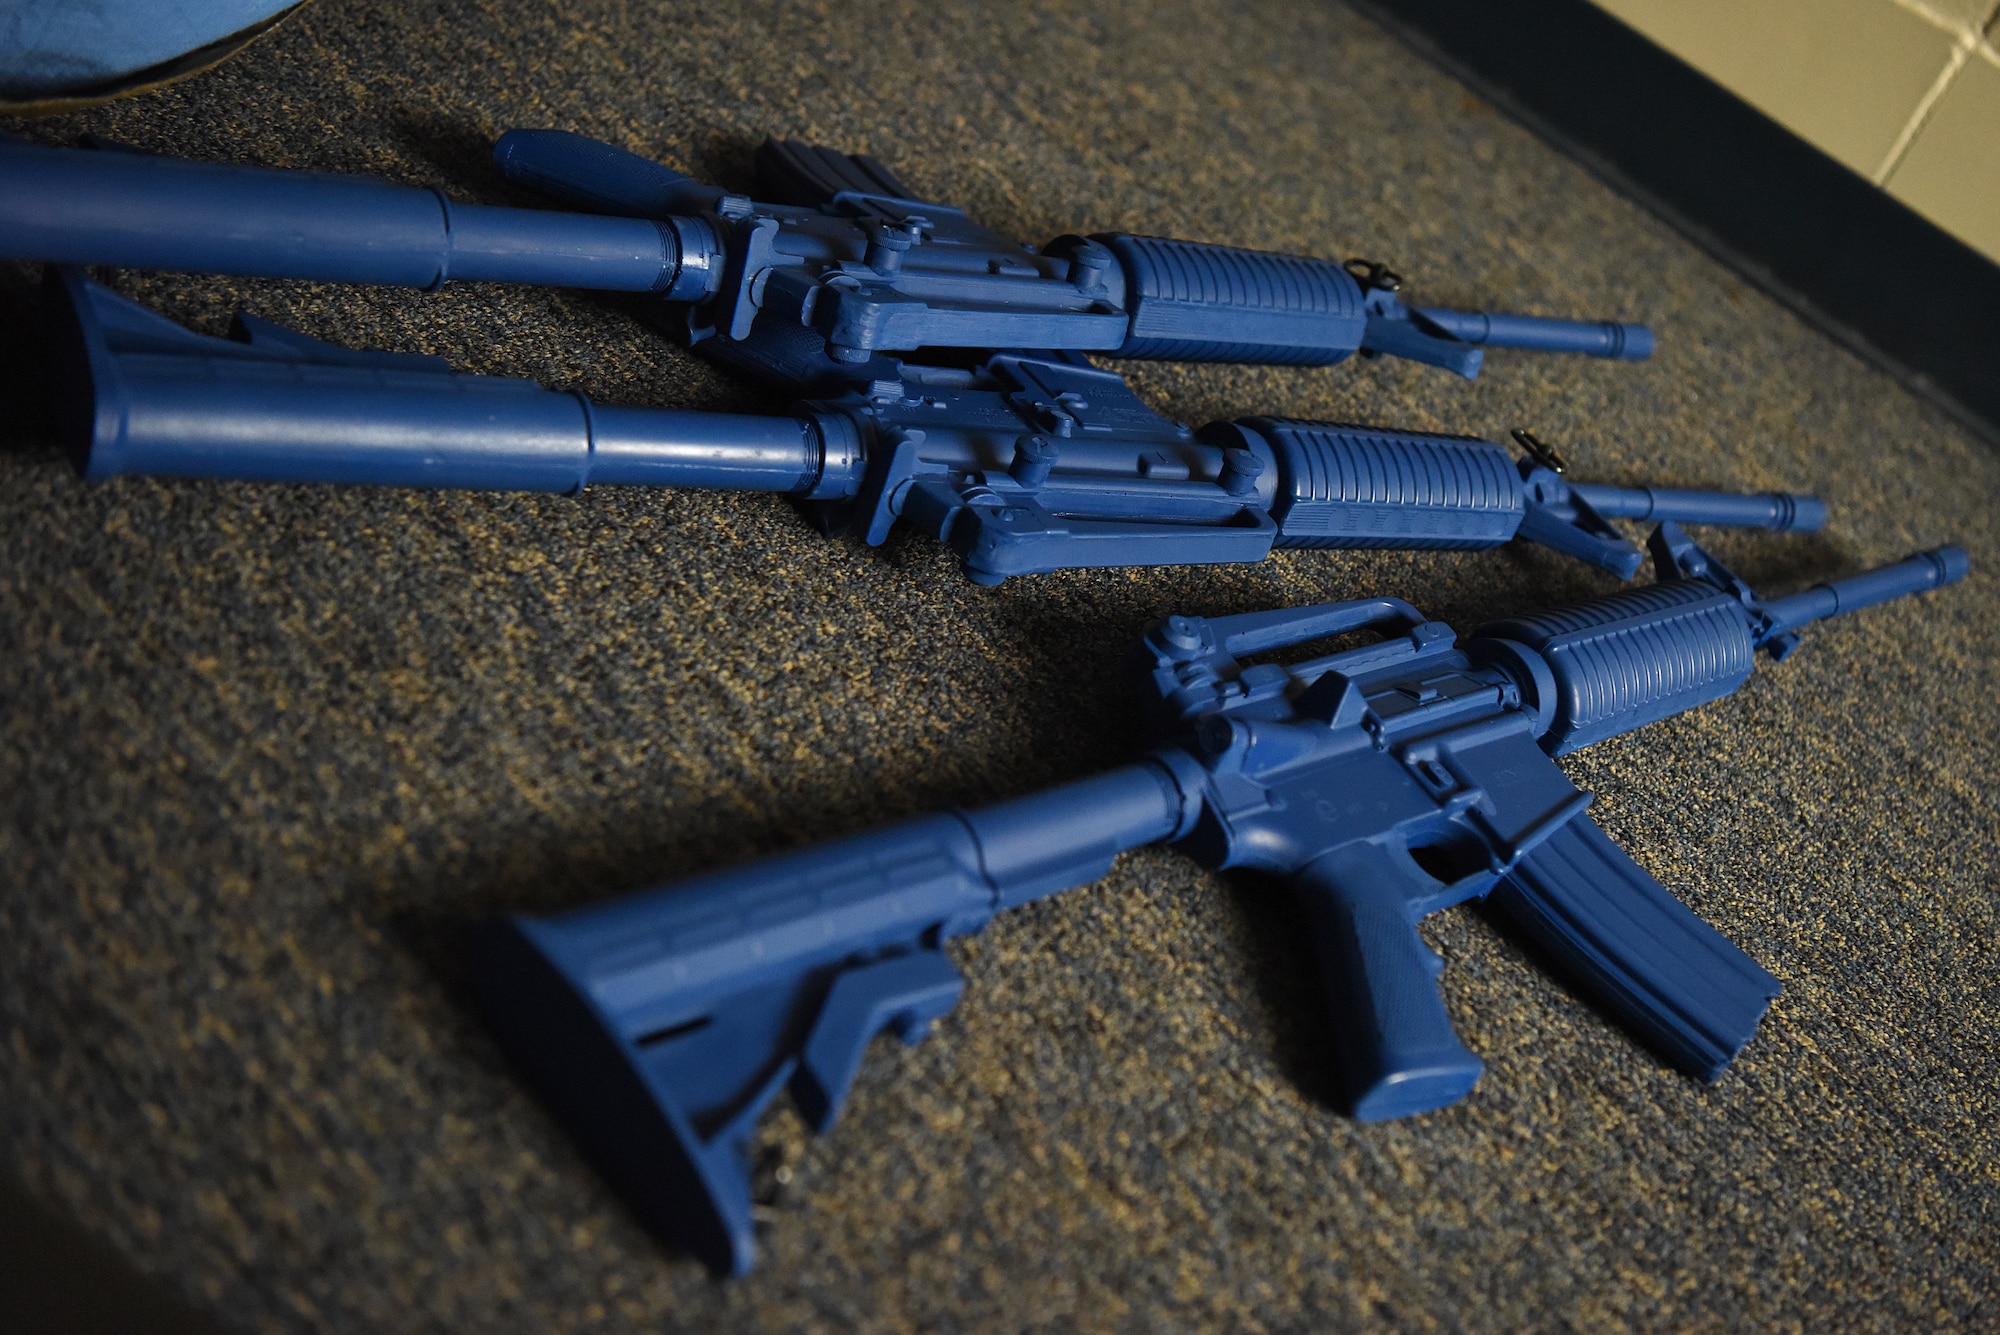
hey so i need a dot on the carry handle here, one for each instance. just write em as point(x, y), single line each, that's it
point(1261, 632)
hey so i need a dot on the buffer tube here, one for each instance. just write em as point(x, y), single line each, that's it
point(140, 211)
point(145, 396)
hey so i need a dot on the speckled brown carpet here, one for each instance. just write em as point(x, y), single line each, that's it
point(269, 753)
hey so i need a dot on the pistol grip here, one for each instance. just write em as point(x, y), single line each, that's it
point(1398, 1054)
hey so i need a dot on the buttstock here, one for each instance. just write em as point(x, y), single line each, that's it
point(1678, 984)
point(659, 1028)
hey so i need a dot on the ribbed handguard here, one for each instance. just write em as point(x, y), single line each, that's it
point(1633, 657)
point(1191, 302)
point(1350, 486)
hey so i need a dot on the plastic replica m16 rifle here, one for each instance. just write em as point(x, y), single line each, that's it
point(1024, 460)
point(1023, 464)
point(1386, 782)
point(846, 258)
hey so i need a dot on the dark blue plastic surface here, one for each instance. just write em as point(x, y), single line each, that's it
point(146, 396)
point(1634, 656)
point(1022, 464)
point(1384, 782)
point(1598, 338)
point(1675, 982)
point(661, 1026)
point(144, 212)
point(845, 253)
point(1200, 303)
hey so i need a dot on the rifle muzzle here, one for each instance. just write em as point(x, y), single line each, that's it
point(1918, 574)
point(1784, 511)
point(1609, 339)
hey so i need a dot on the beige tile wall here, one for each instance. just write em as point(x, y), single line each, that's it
point(1905, 92)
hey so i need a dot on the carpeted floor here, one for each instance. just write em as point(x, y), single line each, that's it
point(270, 753)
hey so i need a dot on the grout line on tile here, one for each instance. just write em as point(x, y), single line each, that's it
point(1956, 27)
point(1980, 34)
point(1961, 51)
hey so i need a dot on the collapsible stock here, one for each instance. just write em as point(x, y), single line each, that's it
point(145, 396)
point(138, 211)
point(661, 1026)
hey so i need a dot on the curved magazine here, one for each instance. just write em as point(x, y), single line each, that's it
point(1676, 982)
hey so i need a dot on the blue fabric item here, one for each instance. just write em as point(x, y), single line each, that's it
point(53, 47)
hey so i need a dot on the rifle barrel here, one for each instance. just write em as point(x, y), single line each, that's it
point(1592, 338)
point(1924, 571)
point(1774, 510)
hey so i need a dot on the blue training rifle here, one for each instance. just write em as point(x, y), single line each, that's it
point(882, 311)
point(1022, 463)
point(1385, 782)
point(845, 266)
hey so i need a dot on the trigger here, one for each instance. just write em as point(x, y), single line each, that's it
point(905, 993)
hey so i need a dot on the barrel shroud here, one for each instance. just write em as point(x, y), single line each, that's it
point(1633, 657)
point(1195, 302)
point(1356, 486)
